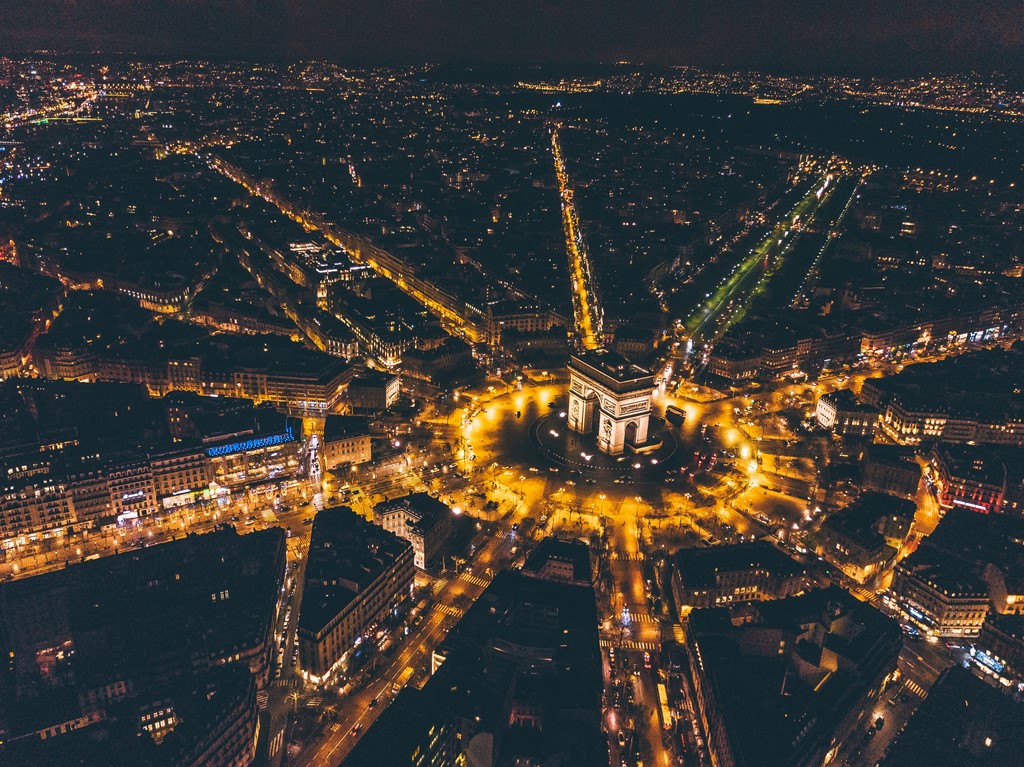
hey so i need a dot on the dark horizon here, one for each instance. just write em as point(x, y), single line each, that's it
point(868, 37)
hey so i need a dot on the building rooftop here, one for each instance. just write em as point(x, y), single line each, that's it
point(984, 385)
point(339, 427)
point(700, 566)
point(982, 539)
point(845, 401)
point(859, 520)
point(774, 703)
point(963, 721)
point(112, 327)
point(1009, 623)
point(148, 616)
point(557, 559)
point(427, 510)
point(948, 573)
point(25, 297)
point(893, 455)
point(346, 554)
point(201, 705)
point(612, 368)
point(372, 378)
point(972, 463)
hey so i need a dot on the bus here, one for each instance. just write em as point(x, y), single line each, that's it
point(674, 415)
point(402, 680)
point(666, 716)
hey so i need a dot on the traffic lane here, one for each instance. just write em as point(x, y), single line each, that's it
point(896, 705)
point(924, 661)
point(357, 707)
point(894, 718)
point(651, 717)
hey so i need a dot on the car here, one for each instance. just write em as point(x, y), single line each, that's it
point(647, 659)
point(622, 739)
point(375, 701)
point(356, 728)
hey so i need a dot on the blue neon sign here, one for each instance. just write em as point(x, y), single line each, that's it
point(252, 444)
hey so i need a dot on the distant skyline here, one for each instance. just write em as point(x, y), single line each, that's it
point(830, 36)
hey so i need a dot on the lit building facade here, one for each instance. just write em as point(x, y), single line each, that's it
point(181, 477)
point(939, 596)
point(346, 441)
point(420, 519)
point(259, 456)
point(34, 505)
point(356, 574)
point(724, 575)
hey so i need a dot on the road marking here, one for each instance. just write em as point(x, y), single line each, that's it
point(629, 644)
point(475, 580)
point(635, 556)
point(917, 689)
point(643, 618)
point(276, 742)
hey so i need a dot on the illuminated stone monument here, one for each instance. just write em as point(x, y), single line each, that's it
point(609, 397)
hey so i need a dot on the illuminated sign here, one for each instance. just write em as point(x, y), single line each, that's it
point(985, 659)
point(978, 506)
point(252, 444)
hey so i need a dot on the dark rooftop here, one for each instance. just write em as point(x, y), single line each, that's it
point(963, 722)
point(698, 566)
point(346, 554)
point(148, 616)
point(337, 427)
point(554, 555)
point(771, 702)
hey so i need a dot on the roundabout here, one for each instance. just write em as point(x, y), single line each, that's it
point(551, 436)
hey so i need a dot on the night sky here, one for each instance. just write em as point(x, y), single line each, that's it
point(855, 36)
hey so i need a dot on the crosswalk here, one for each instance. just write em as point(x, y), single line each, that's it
point(642, 618)
point(476, 580)
point(915, 688)
point(286, 683)
point(276, 743)
point(629, 644)
point(262, 699)
point(864, 595)
point(449, 610)
point(635, 556)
